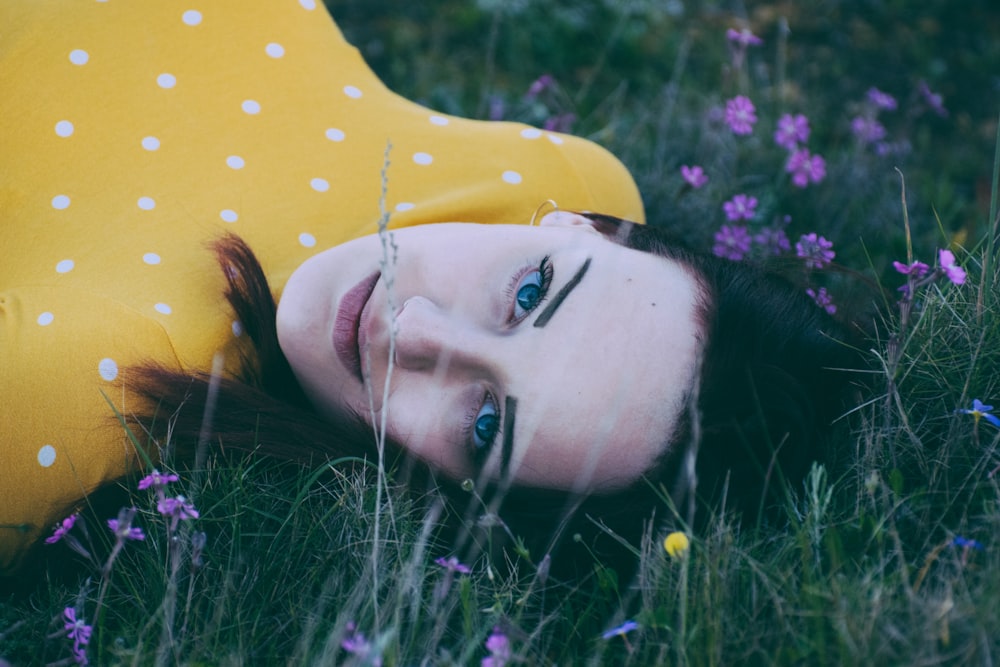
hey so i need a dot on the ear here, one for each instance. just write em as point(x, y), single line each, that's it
point(567, 219)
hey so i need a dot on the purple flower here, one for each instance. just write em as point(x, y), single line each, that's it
point(560, 123)
point(932, 99)
point(805, 167)
point(497, 108)
point(178, 508)
point(981, 411)
point(881, 100)
point(822, 299)
point(917, 269)
point(621, 630)
point(78, 630)
point(539, 85)
point(741, 115)
point(954, 273)
point(357, 644)
point(695, 176)
point(773, 240)
point(867, 130)
point(453, 565)
point(743, 38)
point(816, 250)
point(499, 647)
point(791, 131)
point(731, 242)
point(61, 530)
point(157, 480)
point(123, 529)
point(740, 207)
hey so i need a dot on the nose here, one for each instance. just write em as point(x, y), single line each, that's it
point(430, 338)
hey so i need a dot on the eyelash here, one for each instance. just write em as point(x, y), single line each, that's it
point(544, 268)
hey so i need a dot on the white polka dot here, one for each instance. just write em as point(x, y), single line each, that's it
point(439, 120)
point(229, 215)
point(108, 369)
point(150, 143)
point(306, 239)
point(554, 139)
point(166, 81)
point(46, 456)
point(422, 158)
point(151, 258)
point(191, 17)
point(308, 4)
point(512, 177)
point(531, 133)
point(79, 57)
point(333, 134)
point(163, 308)
point(237, 328)
point(404, 206)
point(352, 91)
point(60, 202)
point(65, 266)
point(274, 50)
point(320, 184)
point(146, 203)
point(45, 319)
point(251, 106)
point(64, 128)
point(235, 162)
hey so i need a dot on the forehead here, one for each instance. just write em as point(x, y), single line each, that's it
point(611, 374)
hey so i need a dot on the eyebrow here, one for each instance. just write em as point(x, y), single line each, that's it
point(550, 310)
point(509, 409)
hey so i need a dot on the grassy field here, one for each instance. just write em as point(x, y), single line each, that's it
point(890, 557)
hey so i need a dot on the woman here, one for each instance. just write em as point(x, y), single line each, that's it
point(540, 359)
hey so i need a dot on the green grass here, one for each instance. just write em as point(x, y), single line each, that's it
point(862, 570)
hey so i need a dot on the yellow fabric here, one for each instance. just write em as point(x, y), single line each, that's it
point(132, 133)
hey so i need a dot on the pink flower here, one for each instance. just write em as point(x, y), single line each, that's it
point(61, 530)
point(952, 271)
point(743, 38)
point(695, 176)
point(917, 269)
point(822, 299)
point(791, 131)
point(731, 242)
point(740, 207)
point(741, 115)
point(805, 167)
point(815, 249)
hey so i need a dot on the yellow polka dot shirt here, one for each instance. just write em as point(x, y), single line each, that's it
point(134, 133)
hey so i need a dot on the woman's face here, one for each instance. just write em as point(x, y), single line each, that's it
point(548, 354)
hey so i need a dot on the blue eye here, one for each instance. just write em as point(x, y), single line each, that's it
point(531, 290)
point(485, 427)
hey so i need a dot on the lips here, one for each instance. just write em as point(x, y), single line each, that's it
point(346, 336)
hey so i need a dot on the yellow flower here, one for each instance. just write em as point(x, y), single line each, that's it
point(676, 544)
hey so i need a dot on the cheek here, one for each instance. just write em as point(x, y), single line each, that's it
point(416, 426)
